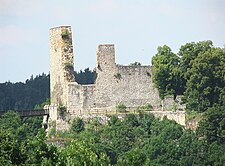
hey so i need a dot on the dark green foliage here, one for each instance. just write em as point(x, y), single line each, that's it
point(19, 145)
point(65, 34)
point(62, 111)
point(121, 107)
point(201, 69)
point(145, 107)
point(206, 83)
point(135, 64)
point(85, 77)
point(131, 120)
point(189, 52)
point(136, 140)
point(113, 120)
point(34, 124)
point(132, 157)
point(212, 126)
point(197, 73)
point(77, 125)
point(166, 74)
point(22, 96)
point(79, 153)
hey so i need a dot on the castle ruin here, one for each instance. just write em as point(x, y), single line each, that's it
point(115, 84)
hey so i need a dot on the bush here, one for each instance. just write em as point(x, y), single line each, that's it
point(146, 107)
point(77, 125)
point(65, 34)
point(121, 107)
point(62, 111)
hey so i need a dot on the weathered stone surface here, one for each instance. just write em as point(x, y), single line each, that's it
point(130, 85)
point(62, 63)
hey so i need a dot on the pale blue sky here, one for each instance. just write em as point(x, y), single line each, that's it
point(136, 27)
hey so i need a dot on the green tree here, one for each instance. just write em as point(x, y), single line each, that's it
point(7, 147)
point(21, 96)
point(166, 73)
point(135, 64)
point(10, 120)
point(189, 52)
point(206, 84)
point(132, 157)
point(78, 153)
point(212, 126)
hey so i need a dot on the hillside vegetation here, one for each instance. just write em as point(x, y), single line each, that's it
point(197, 72)
point(137, 140)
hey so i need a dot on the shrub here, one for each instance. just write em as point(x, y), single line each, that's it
point(121, 107)
point(65, 34)
point(146, 107)
point(77, 125)
point(62, 111)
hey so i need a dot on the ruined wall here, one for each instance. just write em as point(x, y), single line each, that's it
point(130, 85)
point(80, 97)
point(178, 116)
point(61, 63)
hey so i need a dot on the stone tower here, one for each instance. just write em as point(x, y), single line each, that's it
point(106, 56)
point(105, 63)
point(61, 63)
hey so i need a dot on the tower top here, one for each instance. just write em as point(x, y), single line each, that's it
point(60, 27)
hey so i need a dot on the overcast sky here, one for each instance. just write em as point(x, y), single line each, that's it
point(136, 27)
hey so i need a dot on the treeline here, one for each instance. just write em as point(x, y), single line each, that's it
point(197, 72)
point(22, 96)
point(137, 140)
point(85, 77)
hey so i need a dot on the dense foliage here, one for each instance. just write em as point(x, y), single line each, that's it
point(22, 96)
point(19, 96)
point(197, 72)
point(137, 140)
point(85, 77)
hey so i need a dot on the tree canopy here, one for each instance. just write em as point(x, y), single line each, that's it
point(197, 72)
point(137, 140)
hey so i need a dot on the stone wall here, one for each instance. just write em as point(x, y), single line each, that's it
point(178, 116)
point(130, 85)
point(103, 116)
